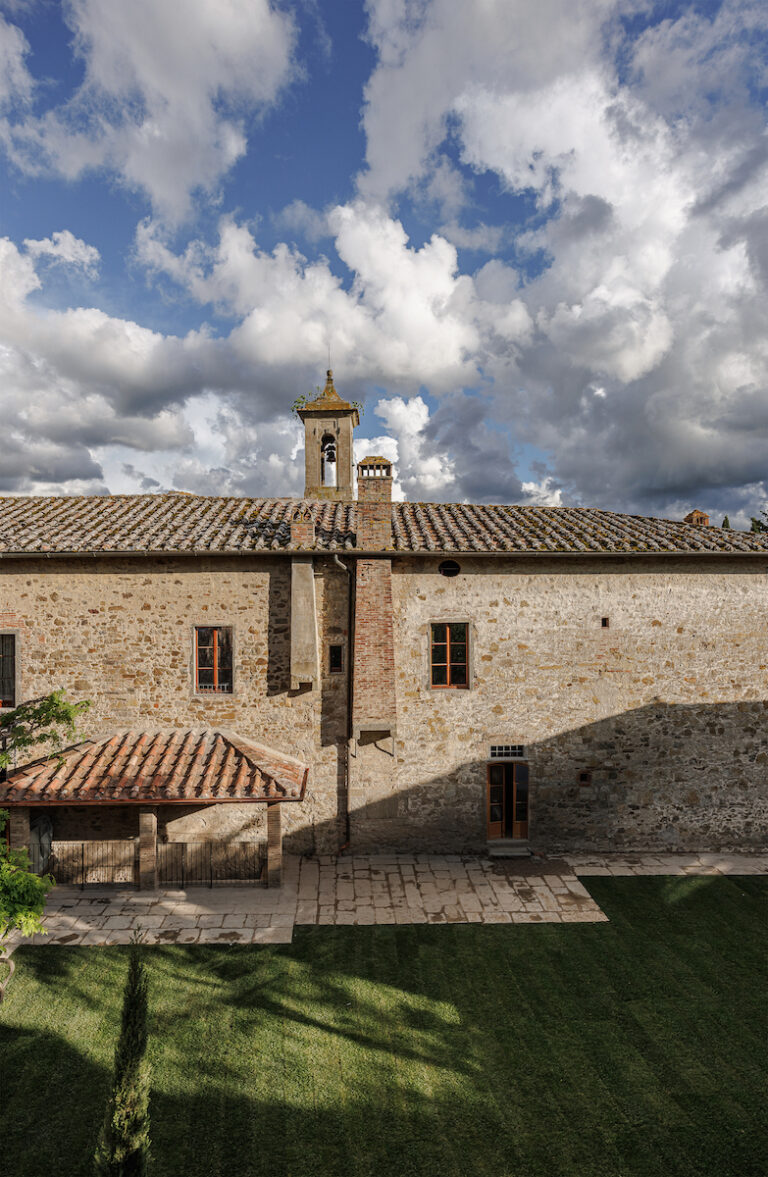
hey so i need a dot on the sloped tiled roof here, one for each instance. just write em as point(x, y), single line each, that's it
point(151, 767)
point(199, 523)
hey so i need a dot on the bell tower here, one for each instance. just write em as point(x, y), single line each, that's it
point(328, 426)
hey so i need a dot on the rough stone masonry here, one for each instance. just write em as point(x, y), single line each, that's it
point(624, 661)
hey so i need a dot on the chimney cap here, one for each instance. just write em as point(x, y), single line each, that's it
point(372, 465)
point(697, 518)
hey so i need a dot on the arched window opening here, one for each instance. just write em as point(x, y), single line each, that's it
point(328, 460)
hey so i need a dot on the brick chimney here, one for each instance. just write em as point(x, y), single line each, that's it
point(697, 518)
point(302, 528)
point(374, 504)
point(373, 695)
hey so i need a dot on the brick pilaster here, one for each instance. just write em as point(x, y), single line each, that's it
point(373, 693)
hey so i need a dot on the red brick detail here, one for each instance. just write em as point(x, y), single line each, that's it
point(373, 490)
point(697, 518)
point(373, 707)
point(374, 526)
point(302, 529)
point(374, 505)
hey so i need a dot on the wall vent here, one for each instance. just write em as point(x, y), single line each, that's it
point(507, 751)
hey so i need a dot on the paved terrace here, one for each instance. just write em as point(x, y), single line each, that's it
point(375, 889)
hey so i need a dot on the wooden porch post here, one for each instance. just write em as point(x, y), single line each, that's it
point(147, 849)
point(274, 844)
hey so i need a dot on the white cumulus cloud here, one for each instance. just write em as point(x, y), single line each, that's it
point(166, 92)
point(64, 247)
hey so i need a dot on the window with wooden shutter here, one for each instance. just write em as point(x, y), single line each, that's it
point(213, 659)
point(7, 670)
point(449, 664)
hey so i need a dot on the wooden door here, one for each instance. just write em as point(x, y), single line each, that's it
point(507, 797)
point(519, 813)
point(496, 799)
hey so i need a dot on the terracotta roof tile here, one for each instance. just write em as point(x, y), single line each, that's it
point(152, 767)
point(198, 523)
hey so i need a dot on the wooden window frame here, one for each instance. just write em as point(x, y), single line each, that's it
point(448, 685)
point(202, 691)
point(15, 634)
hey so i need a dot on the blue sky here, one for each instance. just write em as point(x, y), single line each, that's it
point(533, 232)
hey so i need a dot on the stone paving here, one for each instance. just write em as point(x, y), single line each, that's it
point(438, 889)
point(198, 915)
point(372, 889)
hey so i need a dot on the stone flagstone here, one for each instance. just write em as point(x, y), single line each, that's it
point(363, 890)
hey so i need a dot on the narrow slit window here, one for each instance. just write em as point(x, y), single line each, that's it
point(605, 622)
point(213, 660)
point(336, 659)
point(449, 665)
point(7, 670)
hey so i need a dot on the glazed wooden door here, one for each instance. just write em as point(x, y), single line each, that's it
point(496, 806)
point(508, 800)
point(520, 801)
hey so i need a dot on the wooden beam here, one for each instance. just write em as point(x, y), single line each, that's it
point(147, 849)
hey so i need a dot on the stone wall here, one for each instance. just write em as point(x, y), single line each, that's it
point(119, 631)
point(666, 707)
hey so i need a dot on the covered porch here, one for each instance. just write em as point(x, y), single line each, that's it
point(135, 782)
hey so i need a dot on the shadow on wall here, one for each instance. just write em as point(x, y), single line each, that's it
point(672, 777)
point(279, 631)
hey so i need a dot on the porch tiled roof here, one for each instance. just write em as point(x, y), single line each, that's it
point(175, 522)
point(158, 767)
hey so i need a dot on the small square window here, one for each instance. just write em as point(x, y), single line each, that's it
point(213, 659)
point(336, 659)
point(7, 670)
point(605, 622)
point(585, 778)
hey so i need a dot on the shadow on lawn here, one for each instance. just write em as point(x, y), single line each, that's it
point(423, 1051)
point(216, 1129)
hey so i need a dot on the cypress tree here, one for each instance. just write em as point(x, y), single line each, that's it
point(123, 1146)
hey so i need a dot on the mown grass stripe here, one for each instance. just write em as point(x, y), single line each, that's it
point(634, 1048)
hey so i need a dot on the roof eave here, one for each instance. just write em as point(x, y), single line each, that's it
point(48, 803)
point(385, 553)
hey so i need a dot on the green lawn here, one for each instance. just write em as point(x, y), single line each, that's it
point(633, 1047)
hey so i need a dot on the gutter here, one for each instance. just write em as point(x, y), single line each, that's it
point(385, 554)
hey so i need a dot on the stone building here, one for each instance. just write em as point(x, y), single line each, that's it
point(340, 672)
